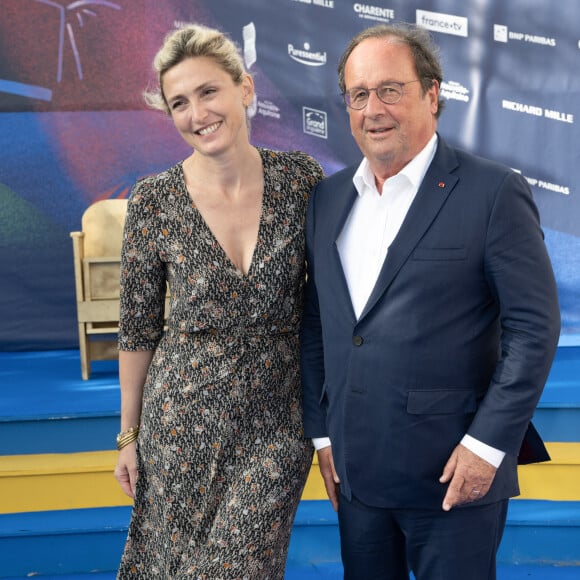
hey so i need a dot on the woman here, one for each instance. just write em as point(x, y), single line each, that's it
point(211, 442)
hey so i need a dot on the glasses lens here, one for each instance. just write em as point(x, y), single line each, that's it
point(390, 93)
point(356, 98)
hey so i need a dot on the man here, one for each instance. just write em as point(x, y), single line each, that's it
point(430, 325)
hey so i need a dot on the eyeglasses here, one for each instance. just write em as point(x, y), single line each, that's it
point(389, 93)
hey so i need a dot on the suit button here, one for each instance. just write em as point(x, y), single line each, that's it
point(357, 340)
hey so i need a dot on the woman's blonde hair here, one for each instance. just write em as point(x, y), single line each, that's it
point(193, 41)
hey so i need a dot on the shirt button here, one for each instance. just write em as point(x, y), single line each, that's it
point(357, 340)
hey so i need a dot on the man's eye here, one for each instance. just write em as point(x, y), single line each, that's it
point(389, 91)
point(358, 96)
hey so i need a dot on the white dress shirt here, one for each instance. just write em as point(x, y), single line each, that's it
point(363, 244)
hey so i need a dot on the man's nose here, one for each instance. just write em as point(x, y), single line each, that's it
point(374, 104)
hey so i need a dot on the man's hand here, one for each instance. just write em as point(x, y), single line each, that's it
point(331, 481)
point(470, 477)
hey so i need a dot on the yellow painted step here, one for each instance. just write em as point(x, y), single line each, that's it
point(314, 488)
point(558, 479)
point(85, 480)
point(59, 482)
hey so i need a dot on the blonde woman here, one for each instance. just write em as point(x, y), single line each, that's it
point(211, 442)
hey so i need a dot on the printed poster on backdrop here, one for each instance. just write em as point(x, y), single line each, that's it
point(74, 129)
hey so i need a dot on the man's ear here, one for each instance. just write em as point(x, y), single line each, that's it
point(434, 96)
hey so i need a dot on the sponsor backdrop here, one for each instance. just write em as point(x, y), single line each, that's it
point(74, 130)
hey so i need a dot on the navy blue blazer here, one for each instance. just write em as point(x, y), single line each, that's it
point(457, 337)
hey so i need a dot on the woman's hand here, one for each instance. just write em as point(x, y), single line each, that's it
point(126, 470)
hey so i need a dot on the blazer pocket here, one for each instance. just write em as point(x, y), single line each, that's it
point(440, 254)
point(441, 402)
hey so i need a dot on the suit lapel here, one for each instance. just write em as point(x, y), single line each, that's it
point(436, 187)
point(343, 200)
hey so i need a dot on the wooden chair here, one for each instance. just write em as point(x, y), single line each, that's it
point(97, 256)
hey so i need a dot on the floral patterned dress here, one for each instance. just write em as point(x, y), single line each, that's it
point(221, 453)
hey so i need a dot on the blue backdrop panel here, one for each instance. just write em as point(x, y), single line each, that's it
point(74, 130)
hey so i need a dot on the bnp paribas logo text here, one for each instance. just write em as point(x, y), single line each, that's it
point(501, 33)
point(306, 56)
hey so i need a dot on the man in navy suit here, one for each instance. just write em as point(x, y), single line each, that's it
point(430, 325)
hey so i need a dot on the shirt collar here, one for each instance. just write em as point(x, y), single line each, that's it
point(414, 171)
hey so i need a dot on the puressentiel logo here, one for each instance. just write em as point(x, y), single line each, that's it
point(444, 23)
point(314, 122)
point(306, 56)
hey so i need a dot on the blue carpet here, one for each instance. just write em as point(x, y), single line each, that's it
point(333, 571)
point(47, 388)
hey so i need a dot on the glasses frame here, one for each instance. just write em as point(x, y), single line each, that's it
point(346, 94)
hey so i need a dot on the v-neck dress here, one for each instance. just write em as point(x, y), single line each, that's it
point(221, 453)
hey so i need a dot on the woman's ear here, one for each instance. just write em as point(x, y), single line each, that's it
point(247, 90)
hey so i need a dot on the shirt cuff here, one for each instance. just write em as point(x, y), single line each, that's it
point(320, 442)
point(490, 454)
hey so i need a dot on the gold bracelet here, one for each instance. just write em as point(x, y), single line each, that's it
point(124, 441)
point(126, 437)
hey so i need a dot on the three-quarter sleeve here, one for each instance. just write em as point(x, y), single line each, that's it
point(143, 273)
